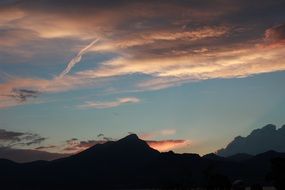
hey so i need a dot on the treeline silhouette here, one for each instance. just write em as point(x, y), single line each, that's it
point(130, 163)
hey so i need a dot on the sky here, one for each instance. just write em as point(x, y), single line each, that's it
point(182, 75)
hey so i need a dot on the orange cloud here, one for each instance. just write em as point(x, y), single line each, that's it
point(156, 36)
point(232, 63)
point(165, 145)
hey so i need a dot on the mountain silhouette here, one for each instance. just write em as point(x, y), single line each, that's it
point(28, 155)
point(130, 163)
point(239, 157)
point(258, 141)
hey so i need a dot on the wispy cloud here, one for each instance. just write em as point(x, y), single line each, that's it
point(152, 135)
point(110, 104)
point(75, 145)
point(77, 58)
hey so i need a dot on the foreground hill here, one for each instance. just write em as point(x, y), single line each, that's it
point(131, 163)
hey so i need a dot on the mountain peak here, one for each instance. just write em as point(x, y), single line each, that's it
point(266, 129)
point(128, 147)
point(131, 137)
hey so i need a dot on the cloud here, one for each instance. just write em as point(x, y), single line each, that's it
point(258, 141)
point(111, 104)
point(19, 139)
point(45, 147)
point(74, 145)
point(22, 95)
point(10, 135)
point(9, 98)
point(77, 58)
point(165, 145)
point(158, 37)
point(275, 34)
point(163, 132)
point(35, 141)
point(171, 44)
point(238, 62)
point(164, 72)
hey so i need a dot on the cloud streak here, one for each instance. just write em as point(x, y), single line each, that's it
point(77, 59)
point(163, 132)
point(110, 104)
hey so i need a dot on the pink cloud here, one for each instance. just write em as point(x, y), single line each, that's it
point(165, 145)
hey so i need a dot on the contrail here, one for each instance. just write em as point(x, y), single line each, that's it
point(76, 59)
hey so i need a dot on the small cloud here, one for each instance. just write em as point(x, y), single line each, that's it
point(36, 141)
point(275, 34)
point(168, 131)
point(165, 145)
point(163, 132)
point(108, 138)
point(110, 104)
point(88, 143)
point(22, 95)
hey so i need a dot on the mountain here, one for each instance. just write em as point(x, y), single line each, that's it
point(28, 155)
point(239, 157)
point(213, 156)
point(258, 141)
point(130, 163)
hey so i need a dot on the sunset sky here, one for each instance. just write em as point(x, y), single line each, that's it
point(183, 75)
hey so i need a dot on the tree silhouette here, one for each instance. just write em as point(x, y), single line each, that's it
point(277, 174)
point(214, 180)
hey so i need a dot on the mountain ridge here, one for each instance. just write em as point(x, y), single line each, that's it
point(131, 163)
point(253, 144)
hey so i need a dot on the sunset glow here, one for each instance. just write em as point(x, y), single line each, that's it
point(187, 76)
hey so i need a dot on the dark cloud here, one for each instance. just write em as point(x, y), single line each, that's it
point(75, 145)
point(108, 139)
point(21, 95)
point(36, 141)
point(12, 138)
point(89, 143)
point(71, 141)
point(45, 147)
point(10, 135)
point(259, 140)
